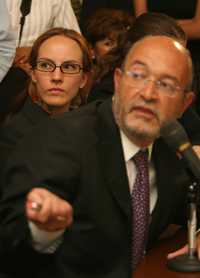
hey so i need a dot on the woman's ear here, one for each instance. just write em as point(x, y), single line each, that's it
point(84, 80)
point(33, 78)
point(92, 52)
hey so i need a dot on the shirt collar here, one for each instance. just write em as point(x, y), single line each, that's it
point(131, 149)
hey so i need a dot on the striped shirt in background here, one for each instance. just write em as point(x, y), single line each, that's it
point(44, 15)
point(76, 5)
point(7, 41)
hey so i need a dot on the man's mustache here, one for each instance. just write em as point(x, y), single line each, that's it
point(141, 105)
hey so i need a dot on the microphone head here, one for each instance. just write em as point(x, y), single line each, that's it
point(174, 135)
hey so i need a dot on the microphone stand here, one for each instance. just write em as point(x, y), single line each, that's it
point(189, 262)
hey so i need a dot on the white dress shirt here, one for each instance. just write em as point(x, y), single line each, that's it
point(44, 14)
point(130, 150)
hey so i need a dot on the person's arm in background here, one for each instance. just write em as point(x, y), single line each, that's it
point(192, 26)
point(65, 16)
point(140, 7)
point(7, 41)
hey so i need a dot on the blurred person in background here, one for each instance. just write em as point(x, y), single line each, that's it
point(90, 7)
point(104, 28)
point(7, 40)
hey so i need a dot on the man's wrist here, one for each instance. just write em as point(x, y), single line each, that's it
point(45, 241)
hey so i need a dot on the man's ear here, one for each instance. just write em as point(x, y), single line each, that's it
point(117, 79)
point(189, 99)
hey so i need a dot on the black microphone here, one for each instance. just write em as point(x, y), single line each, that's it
point(176, 137)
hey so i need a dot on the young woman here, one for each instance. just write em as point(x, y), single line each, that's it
point(60, 61)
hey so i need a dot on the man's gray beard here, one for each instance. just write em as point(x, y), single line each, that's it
point(139, 134)
point(130, 131)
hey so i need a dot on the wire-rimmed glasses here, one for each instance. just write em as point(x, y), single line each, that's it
point(140, 80)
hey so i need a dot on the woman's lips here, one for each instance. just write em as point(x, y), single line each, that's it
point(55, 91)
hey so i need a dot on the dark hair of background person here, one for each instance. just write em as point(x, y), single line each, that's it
point(89, 7)
point(17, 102)
point(107, 23)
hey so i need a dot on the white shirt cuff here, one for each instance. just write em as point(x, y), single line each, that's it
point(44, 241)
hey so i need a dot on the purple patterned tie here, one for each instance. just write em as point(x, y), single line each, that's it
point(140, 207)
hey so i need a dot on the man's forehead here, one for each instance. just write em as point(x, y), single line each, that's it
point(160, 42)
point(162, 56)
point(157, 40)
point(153, 46)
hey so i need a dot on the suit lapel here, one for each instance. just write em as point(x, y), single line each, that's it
point(169, 171)
point(112, 159)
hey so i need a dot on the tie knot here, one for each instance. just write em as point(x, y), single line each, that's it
point(141, 158)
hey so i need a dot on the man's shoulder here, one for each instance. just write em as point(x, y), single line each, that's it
point(90, 109)
point(79, 124)
point(84, 116)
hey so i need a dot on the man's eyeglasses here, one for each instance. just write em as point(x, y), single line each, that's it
point(164, 86)
point(66, 67)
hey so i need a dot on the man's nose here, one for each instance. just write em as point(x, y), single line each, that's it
point(149, 89)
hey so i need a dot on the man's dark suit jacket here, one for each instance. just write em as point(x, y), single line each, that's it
point(80, 158)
